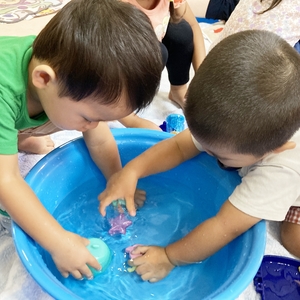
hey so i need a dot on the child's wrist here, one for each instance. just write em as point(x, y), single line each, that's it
point(169, 258)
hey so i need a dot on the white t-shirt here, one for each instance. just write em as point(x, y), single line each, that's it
point(271, 186)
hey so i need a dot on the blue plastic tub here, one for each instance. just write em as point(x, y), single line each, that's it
point(223, 276)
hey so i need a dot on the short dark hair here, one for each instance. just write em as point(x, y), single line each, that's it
point(102, 48)
point(246, 94)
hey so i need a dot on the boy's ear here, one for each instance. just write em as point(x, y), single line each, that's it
point(42, 75)
point(287, 146)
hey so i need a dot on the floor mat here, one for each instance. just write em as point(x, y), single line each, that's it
point(12, 11)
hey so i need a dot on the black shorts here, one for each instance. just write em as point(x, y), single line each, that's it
point(220, 9)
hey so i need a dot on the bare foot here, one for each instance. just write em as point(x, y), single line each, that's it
point(177, 94)
point(35, 144)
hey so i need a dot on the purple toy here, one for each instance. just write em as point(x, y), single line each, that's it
point(119, 224)
point(130, 249)
point(132, 256)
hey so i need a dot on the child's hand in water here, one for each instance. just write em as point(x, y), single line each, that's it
point(139, 197)
point(71, 256)
point(154, 263)
point(122, 185)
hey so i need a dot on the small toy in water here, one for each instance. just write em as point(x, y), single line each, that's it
point(119, 224)
point(130, 249)
point(120, 204)
point(174, 123)
point(101, 252)
point(132, 256)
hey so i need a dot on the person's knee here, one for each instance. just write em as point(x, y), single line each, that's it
point(290, 237)
point(179, 33)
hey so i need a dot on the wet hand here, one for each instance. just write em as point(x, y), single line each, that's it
point(121, 185)
point(139, 198)
point(153, 265)
point(71, 257)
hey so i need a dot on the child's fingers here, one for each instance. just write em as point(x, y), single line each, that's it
point(143, 272)
point(139, 203)
point(104, 202)
point(85, 241)
point(85, 272)
point(77, 275)
point(130, 206)
point(154, 279)
point(148, 277)
point(141, 194)
point(139, 197)
point(140, 250)
point(92, 262)
point(64, 273)
point(102, 208)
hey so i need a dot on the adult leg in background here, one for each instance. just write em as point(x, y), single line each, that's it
point(179, 43)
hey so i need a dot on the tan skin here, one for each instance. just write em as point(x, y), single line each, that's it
point(290, 237)
point(199, 7)
point(134, 121)
point(35, 144)
point(44, 144)
point(68, 250)
point(216, 232)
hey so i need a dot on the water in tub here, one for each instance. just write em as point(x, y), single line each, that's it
point(172, 210)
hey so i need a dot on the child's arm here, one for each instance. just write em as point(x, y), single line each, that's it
point(68, 250)
point(206, 239)
point(199, 47)
point(103, 149)
point(134, 121)
point(161, 157)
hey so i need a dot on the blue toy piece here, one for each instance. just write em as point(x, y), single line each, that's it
point(205, 20)
point(102, 253)
point(175, 123)
point(278, 278)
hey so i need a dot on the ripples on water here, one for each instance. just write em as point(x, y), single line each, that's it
point(170, 212)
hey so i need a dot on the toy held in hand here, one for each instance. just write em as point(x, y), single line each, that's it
point(119, 222)
point(132, 256)
point(101, 252)
point(120, 205)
